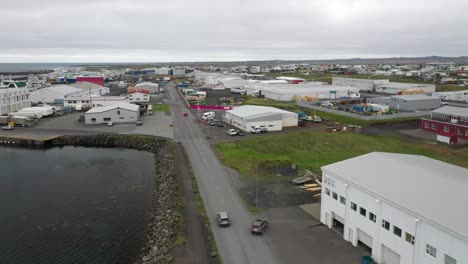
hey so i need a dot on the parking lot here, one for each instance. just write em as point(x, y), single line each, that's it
point(158, 124)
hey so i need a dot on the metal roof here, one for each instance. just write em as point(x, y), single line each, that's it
point(251, 112)
point(86, 85)
point(414, 97)
point(429, 188)
point(147, 83)
point(60, 89)
point(452, 110)
point(101, 109)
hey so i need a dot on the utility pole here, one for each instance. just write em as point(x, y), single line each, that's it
point(256, 192)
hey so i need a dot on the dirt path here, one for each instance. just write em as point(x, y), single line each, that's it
point(193, 229)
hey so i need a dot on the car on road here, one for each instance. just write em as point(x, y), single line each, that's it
point(232, 132)
point(223, 220)
point(240, 132)
point(327, 104)
point(139, 122)
point(219, 124)
point(7, 128)
point(259, 226)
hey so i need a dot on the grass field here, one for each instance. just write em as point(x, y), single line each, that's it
point(161, 108)
point(311, 150)
point(290, 106)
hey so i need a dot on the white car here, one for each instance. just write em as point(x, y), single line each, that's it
point(110, 123)
point(232, 132)
point(327, 104)
point(7, 128)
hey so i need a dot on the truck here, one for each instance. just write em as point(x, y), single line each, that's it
point(238, 91)
point(22, 121)
point(258, 129)
point(208, 115)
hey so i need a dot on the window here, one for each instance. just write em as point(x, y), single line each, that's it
point(397, 231)
point(372, 217)
point(342, 200)
point(446, 129)
point(409, 238)
point(450, 260)
point(335, 196)
point(460, 131)
point(431, 250)
point(74, 102)
point(93, 119)
point(362, 211)
point(426, 125)
point(118, 112)
point(353, 206)
point(327, 191)
point(121, 117)
point(107, 119)
point(434, 126)
point(385, 224)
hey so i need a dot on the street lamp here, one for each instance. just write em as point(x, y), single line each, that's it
point(256, 192)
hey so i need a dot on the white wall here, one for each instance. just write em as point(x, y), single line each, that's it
point(13, 100)
point(423, 231)
point(125, 116)
point(138, 97)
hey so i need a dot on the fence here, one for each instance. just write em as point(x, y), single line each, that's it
point(363, 117)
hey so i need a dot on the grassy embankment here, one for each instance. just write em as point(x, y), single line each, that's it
point(327, 77)
point(161, 108)
point(311, 150)
point(290, 106)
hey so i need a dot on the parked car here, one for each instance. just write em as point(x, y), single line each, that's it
point(301, 123)
point(110, 123)
point(219, 124)
point(212, 123)
point(327, 104)
point(240, 132)
point(259, 226)
point(7, 128)
point(258, 130)
point(139, 122)
point(223, 219)
point(232, 132)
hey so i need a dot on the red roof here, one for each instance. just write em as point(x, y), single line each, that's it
point(462, 72)
point(139, 91)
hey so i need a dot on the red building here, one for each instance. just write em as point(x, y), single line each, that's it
point(447, 121)
point(99, 80)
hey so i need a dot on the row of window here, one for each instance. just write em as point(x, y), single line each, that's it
point(17, 98)
point(446, 129)
point(432, 251)
point(335, 196)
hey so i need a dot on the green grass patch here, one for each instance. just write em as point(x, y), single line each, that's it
point(449, 87)
point(292, 106)
point(161, 108)
point(180, 240)
point(311, 150)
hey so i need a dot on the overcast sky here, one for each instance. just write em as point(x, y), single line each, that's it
point(219, 30)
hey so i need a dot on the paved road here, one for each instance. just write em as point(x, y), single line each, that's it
point(235, 244)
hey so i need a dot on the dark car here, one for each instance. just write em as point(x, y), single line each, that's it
point(240, 132)
point(222, 218)
point(219, 124)
point(212, 123)
point(259, 226)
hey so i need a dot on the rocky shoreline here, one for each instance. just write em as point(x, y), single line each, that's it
point(165, 216)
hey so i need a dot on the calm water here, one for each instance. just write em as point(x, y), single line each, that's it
point(73, 205)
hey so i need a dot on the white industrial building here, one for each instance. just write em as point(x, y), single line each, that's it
point(273, 119)
point(149, 86)
point(117, 113)
point(382, 86)
point(407, 209)
point(292, 92)
point(57, 93)
point(415, 102)
point(163, 71)
point(13, 99)
point(139, 96)
point(461, 96)
point(94, 101)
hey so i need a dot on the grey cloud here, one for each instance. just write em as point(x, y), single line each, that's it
point(183, 30)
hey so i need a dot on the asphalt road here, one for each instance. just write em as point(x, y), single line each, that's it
point(235, 244)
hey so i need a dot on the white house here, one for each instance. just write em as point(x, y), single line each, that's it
point(117, 113)
point(407, 209)
point(13, 99)
point(139, 96)
point(273, 119)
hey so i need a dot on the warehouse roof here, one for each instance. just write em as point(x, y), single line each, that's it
point(250, 112)
point(101, 109)
point(147, 83)
point(414, 97)
point(405, 85)
point(286, 78)
point(304, 88)
point(60, 89)
point(86, 85)
point(139, 91)
point(452, 110)
point(429, 188)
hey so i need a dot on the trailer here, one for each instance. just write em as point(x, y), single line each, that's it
point(22, 121)
point(27, 114)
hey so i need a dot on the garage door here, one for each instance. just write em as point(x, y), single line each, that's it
point(389, 256)
point(365, 238)
point(338, 218)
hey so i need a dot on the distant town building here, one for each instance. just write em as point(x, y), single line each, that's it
point(13, 99)
point(56, 94)
point(414, 102)
point(99, 80)
point(139, 96)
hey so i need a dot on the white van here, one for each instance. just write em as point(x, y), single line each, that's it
point(208, 116)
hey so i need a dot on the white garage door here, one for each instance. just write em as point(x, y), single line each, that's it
point(365, 238)
point(389, 256)
point(338, 218)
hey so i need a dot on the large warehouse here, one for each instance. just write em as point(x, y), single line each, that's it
point(247, 116)
point(57, 93)
point(416, 102)
point(407, 209)
point(382, 86)
point(289, 92)
point(116, 113)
